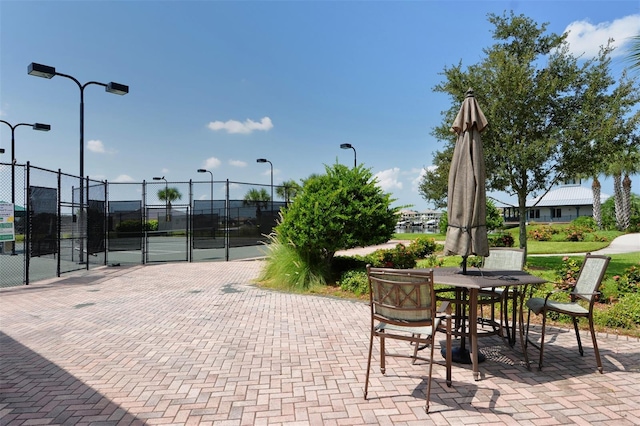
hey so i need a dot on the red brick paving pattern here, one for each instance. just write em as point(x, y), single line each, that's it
point(200, 344)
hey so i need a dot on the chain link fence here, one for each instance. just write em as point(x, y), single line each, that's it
point(57, 231)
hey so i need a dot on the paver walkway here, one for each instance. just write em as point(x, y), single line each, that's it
point(200, 344)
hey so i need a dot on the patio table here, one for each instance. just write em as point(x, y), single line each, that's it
point(476, 280)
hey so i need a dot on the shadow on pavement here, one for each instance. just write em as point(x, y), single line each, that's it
point(33, 389)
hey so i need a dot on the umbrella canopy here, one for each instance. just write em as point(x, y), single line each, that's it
point(467, 198)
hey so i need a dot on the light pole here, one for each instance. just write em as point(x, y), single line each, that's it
point(166, 197)
point(349, 146)
point(211, 173)
point(264, 160)
point(49, 72)
point(36, 126)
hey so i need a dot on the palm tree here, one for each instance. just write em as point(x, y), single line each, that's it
point(287, 190)
point(168, 195)
point(258, 197)
point(634, 56)
point(626, 163)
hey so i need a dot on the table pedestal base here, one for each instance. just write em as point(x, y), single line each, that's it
point(461, 355)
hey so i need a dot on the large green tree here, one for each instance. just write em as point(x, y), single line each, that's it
point(531, 89)
point(342, 209)
point(606, 124)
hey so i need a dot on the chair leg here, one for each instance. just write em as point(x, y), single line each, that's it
point(511, 329)
point(595, 345)
point(523, 337)
point(575, 327)
point(366, 381)
point(426, 408)
point(448, 351)
point(416, 347)
point(544, 324)
point(383, 367)
point(526, 332)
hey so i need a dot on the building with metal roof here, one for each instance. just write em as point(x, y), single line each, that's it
point(563, 204)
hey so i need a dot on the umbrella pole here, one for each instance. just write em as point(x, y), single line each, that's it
point(464, 265)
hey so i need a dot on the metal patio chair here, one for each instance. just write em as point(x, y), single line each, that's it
point(506, 259)
point(403, 307)
point(585, 290)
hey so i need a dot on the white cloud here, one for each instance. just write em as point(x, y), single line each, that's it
point(124, 178)
point(234, 126)
point(212, 163)
point(96, 146)
point(415, 182)
point(388, 179)
point(586, 38)
point(238, 163)
point(267, 172)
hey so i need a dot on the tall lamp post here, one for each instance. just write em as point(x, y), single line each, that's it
point(166, 197)
point(349, 146)
point(264, 160)
point(49, 72)
point(36, 126)
point(211, 173)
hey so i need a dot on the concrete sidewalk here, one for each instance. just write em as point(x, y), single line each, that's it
point(628, 243)
point(199, 343)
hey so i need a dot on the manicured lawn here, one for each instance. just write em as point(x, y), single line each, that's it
point(556, 246)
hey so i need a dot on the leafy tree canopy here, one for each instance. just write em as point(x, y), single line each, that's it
point(532, 91)
point(342, 209)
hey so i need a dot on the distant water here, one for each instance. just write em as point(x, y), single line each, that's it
point(416, 230)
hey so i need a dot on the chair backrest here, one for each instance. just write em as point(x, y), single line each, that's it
point(590, 276)
point(401, 296)
point(508, 259)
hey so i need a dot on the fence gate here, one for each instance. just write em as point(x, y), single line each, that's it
point(170, 243)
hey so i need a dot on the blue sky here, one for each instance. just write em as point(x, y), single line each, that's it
point(217, 85)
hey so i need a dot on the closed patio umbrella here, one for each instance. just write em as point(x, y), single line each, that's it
point(467, 198)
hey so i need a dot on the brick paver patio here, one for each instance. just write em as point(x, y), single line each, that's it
point(198, 343)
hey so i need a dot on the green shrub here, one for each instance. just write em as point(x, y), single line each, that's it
point(609, 291)
point(431, 261)
point(443, 223)
point(342, 209)
point(285, 266)
point(398, 257)
point(474, 262)
point(135, 227)
point(587, 223)
point(625, 313)
point(342, 264)
point(502, 239)
point(567, 273)
point(355, 281)
point(422, 246)
point(575, 234)
point(494, 219)
point(629, 282)
point(542, 233)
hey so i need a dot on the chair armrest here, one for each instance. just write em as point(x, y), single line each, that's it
point(551, 293)
point(445, 308)
point(595, 293)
